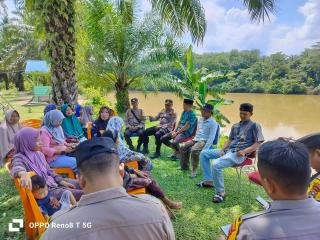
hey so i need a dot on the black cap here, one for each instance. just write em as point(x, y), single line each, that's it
point(246, 107)
point(207, 107)
point(134, 100)
point(89, 148)
point(168, 102)
point(188, 101)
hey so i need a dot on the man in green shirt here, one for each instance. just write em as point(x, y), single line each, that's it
point(184, 129)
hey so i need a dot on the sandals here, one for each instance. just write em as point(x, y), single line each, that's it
point(218, 198)
point(203, 184)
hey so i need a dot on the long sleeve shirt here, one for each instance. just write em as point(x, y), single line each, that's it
point(206, 131)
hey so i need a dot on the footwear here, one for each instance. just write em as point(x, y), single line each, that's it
point(155, 155)
point(218, 198)
point(193, 175)
point(174, 157)
point(203, 184)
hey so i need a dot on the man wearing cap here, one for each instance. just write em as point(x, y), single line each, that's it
point(184, 129)
point(134, 122)
point(205, 135)
point(245, 138)
point(106, 211)
point(167, 118)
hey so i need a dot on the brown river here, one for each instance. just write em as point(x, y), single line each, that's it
point(279, 115)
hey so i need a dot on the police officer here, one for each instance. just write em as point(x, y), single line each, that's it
point(106, 211)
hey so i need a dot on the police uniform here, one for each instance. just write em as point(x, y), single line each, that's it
point(110, 214)
point(285, 219)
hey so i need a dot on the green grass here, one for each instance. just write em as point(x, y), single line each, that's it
point(198, 219)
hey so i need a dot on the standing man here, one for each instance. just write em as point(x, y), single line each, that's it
point(167, 118)
point(245, 138)
point(134, 122)
point(184, 130)
point(205, 135)
point(107, 211)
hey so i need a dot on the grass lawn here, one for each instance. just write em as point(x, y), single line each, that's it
point(199, 218)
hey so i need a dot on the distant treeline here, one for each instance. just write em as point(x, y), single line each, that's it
point(249, 71)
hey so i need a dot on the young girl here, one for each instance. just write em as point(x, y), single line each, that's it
point(312, 142)
point(100, 125)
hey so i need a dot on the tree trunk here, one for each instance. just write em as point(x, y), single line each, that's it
point(122, 96)
point(59, 22)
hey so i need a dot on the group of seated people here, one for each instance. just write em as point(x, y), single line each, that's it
point(103, 178)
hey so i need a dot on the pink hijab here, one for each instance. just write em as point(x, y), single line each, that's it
point(7, 133)
point(25, 142)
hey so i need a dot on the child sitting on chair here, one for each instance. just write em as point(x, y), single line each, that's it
point(47, 203)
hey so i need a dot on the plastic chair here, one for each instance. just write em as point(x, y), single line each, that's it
point(68, 172)
point(134, 164)
point(248, 163)
point(32, 212)
point(33, 122)
point(254, 177)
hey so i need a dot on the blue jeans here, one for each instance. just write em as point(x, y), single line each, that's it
point(64, 161)
point(228, 160)
point(205, 162)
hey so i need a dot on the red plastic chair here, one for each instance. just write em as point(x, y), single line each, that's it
point(248, 165)
point(254, 177)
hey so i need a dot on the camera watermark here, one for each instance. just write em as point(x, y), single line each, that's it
point(16, 228)
point(13, 227)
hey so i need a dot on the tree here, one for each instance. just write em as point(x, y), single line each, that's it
point(194, 83)
point(125, 52)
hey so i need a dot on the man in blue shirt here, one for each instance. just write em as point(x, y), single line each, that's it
point(184, 129)
point(245, 138)
point(205, 135)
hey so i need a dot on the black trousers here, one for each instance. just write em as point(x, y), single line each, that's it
point(158, 133)
point(128, 133)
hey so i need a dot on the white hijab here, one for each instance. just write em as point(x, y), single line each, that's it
point(7, 133)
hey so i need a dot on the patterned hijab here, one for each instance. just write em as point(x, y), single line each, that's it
point(25, 142)
point(7, 133)
point(51, 119)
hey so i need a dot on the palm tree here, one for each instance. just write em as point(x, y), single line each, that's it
point(57, 17)
point(125, 52)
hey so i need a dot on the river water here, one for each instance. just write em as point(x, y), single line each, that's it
point(279, 115)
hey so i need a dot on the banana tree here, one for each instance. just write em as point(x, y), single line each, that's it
point(193, 83)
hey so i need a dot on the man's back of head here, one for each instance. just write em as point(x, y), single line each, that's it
point(284, 167)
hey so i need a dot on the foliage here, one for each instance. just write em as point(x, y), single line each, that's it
point(95, 99)
point(193, 83)
point(277, 73)
point(123, 54)
point(35, 79)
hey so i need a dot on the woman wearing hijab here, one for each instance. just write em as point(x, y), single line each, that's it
point(8, 128)
point(100, 125)
point(54, 145)
point(48, 108)
point(29, 158)
point(71, 125)
point(87, 116)
point(115, 124)
point(78, 110)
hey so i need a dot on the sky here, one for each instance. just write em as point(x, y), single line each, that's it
point(294, 27)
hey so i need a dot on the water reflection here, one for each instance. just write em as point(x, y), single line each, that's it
point(279, 115)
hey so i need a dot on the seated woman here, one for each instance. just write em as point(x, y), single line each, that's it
point(54, 145)
point(71, 125)
point(8, 128)
point(134, 179)
point(87, 117)
point(115, 124)
point(78, 110)
point(29, 158)
point(100, 125)
point(48, 108)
